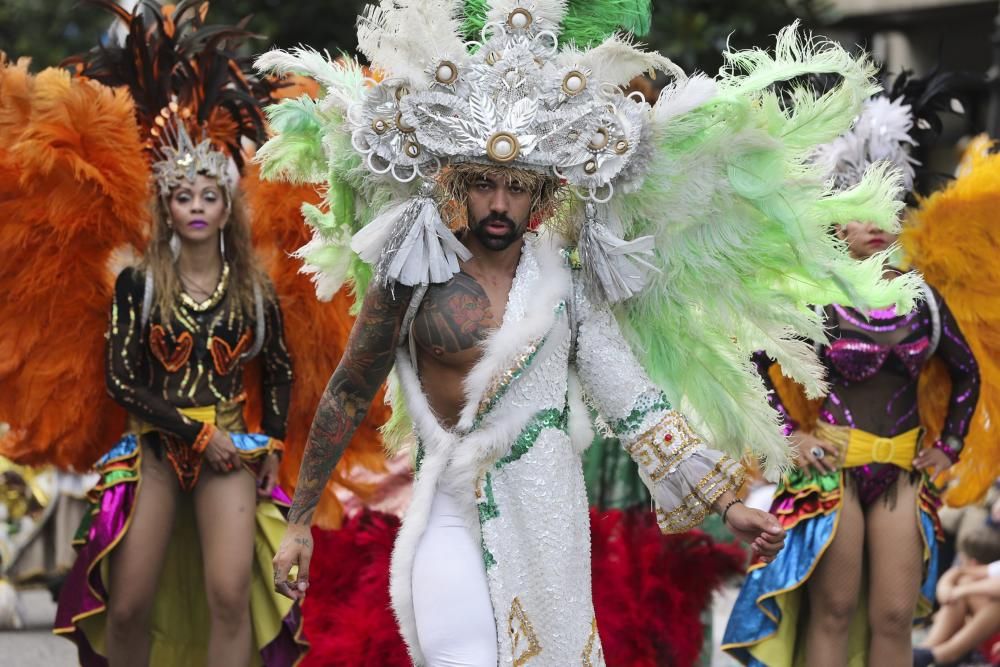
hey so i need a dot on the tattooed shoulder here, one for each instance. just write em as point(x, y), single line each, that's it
point(454, 317)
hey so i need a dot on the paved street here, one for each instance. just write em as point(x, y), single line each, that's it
point(35, 645)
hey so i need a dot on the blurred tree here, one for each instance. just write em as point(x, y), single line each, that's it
point(692, 32)
point(48, 31)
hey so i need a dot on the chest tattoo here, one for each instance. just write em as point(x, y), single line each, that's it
point(454, 317)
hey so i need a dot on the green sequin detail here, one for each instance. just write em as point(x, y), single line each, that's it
point(488, 508)
point(551, 418)
point(421, 453)
point(503, 388)
point(635, 418)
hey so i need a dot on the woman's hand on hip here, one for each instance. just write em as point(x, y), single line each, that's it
point(812, 453)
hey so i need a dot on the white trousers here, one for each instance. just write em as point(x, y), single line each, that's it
point(451, 598)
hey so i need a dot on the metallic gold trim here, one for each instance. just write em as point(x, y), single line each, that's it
point(589, 657)
point(510, 155)
point(574, 74)
point(520, 11)
point(214, 298)
point(522, 631)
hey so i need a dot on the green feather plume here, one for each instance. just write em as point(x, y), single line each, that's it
point(586, 23)
point(743, 220)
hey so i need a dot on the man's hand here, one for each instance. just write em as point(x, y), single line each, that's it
point(296, 549)
point(759, 529)
point(267, 478)
point(808, 446)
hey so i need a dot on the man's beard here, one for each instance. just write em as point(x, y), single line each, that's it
point(492, 240)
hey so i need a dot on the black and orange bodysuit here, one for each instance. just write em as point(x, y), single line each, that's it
point(180, 375)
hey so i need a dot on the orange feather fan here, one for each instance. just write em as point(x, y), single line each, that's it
point(73, 189)
point(316, 334)
point(954, 240)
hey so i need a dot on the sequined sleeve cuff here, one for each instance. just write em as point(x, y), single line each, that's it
point(204, 436)
point(683, 476)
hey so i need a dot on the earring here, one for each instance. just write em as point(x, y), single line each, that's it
point(175, 241)
point(222, 244)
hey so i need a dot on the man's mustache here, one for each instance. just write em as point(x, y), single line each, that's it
point(496, 217)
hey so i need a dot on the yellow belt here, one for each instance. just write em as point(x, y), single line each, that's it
point(860, 448)
point(227, 415)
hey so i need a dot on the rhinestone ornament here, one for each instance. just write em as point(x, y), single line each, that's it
point(520, 19)
point(503, 147)
point(446, 73)
point(574, 83)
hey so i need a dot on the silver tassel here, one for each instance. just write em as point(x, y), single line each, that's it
point(419, 250)
point(617, 267)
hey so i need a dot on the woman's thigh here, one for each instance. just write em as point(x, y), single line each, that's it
point(136, 562)
point(225, 510)
point(895, 555)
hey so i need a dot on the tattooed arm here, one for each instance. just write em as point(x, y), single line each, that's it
point(362, 370)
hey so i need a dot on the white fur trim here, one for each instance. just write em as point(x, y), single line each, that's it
point(514, 335)
point(581, 428)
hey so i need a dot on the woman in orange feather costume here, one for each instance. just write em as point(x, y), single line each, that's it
point(183, 326)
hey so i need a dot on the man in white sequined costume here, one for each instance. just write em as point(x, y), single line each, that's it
point(697, 223)
point(498, 526)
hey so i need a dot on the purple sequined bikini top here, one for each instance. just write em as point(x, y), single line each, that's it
point(856, 359)
point(859, 356)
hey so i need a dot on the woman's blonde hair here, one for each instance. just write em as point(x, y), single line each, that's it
point(244, 268)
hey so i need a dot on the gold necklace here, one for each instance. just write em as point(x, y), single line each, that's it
point(214, 298)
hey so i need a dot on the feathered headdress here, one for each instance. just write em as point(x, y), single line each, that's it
point(194, 98)
point(701, 217)
point(891, 126)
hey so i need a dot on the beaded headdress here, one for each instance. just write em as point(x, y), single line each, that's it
point(179, 159)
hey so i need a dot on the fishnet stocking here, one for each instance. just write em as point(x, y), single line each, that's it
point(833, 588)
point(895, 557)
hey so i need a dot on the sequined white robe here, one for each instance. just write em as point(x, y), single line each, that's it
point(511, 456)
